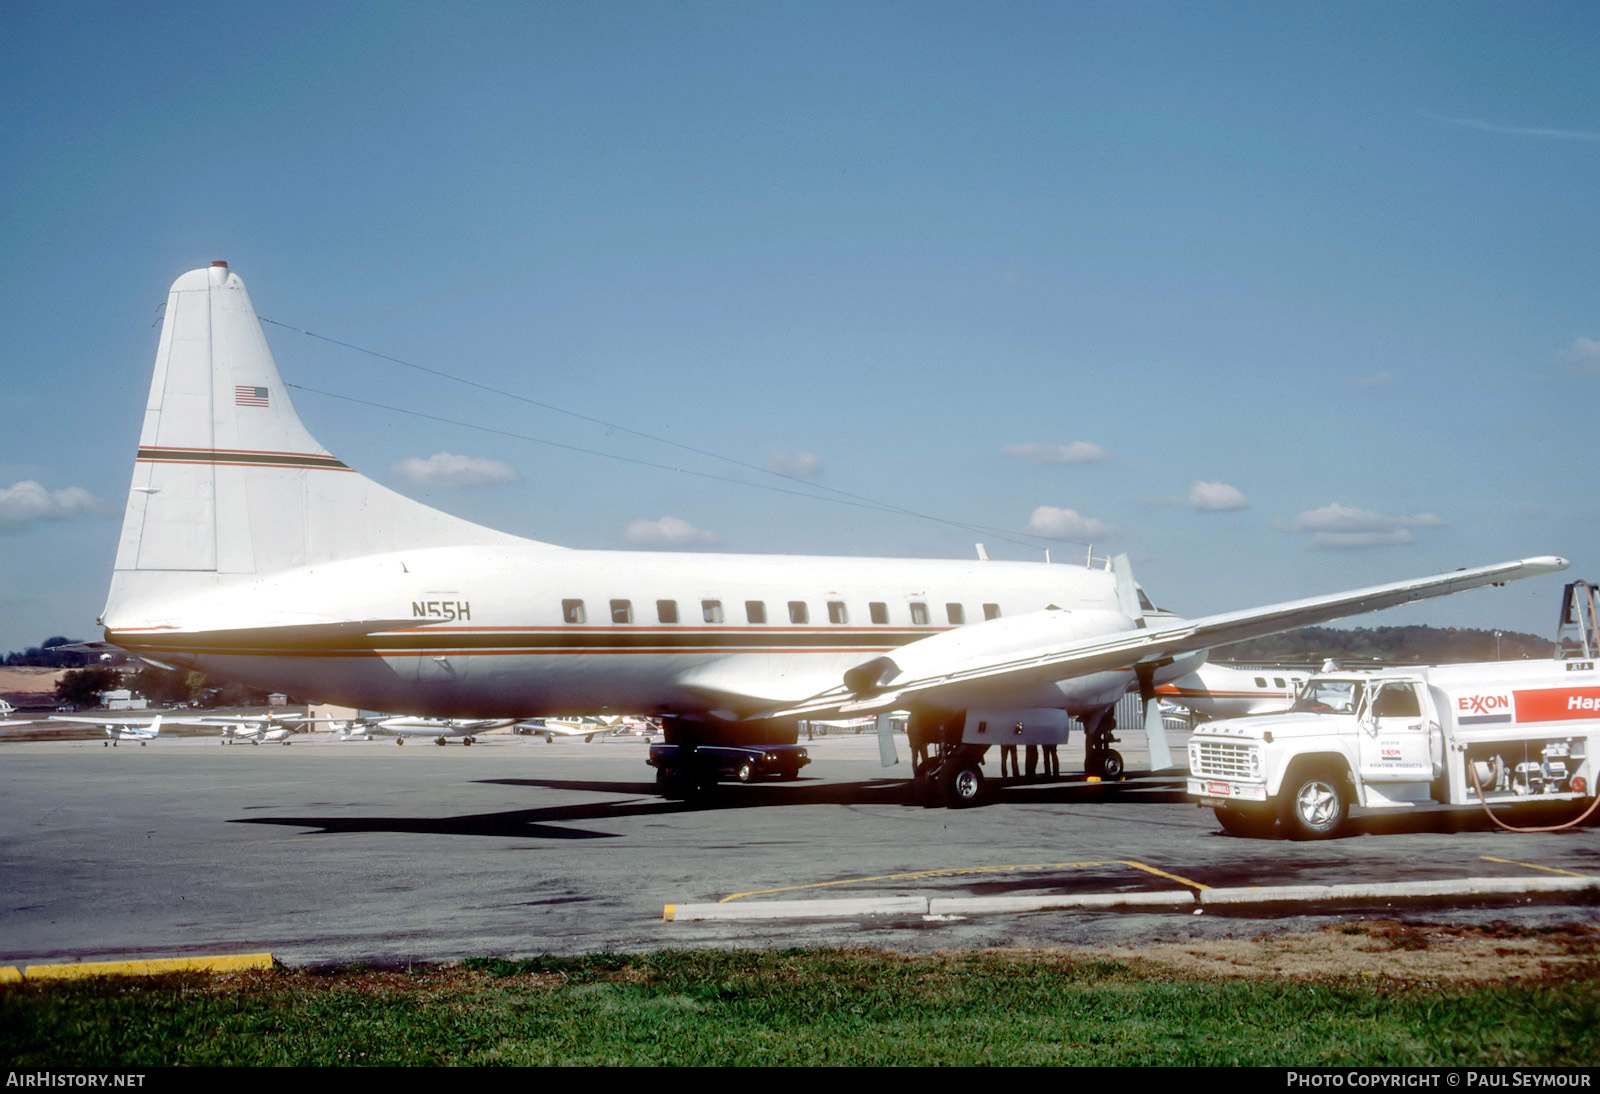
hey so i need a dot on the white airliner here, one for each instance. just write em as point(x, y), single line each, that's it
point(251, 553)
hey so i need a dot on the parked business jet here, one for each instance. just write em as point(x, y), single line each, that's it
point(250, 553)
point(1223, 691)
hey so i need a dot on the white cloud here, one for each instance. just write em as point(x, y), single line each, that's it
point(1582, 357)
point(27, 501)
point(1342, 527)
point(1206, 497)
point(451, 471)
point(1214, 497)
point(800, 465)
point(1076, 452)
point(1047, 520)
point(666, 532)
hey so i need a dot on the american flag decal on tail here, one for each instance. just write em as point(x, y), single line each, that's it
point(244, 395)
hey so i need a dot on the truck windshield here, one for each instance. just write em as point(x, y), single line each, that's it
point(1329, 697)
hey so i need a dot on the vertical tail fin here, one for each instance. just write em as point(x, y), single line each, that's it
point(228, 484)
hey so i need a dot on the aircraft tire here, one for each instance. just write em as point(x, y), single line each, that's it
point(964, 786)
point(1111, 766)
point(1316, 805)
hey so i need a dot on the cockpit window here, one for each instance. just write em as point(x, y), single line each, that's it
point(1329, 697)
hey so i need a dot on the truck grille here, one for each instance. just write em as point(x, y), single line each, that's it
point(1224, 760)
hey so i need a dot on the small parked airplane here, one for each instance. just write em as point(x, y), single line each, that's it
point(250, 553)
point(255, 729)
point(119, 729)
point(439, 729)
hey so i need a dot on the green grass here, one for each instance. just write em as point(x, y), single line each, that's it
point(801, 1007)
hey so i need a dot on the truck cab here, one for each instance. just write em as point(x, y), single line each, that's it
point(1403, 739)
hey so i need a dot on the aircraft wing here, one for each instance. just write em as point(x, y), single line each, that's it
point(931, 681)
point(108, 720)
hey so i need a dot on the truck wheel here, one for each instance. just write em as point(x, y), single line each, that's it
point(745, 772)
point(965, 786)
point(1249, 823)
point(1316, 806)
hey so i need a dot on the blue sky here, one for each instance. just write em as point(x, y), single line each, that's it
point(1279, 299)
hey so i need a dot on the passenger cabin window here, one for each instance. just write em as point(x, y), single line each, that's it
point(991, 611)
point(572, 611)
point(755, 611)
point(879, 612)
point(622, 611)
point(1277, 681)
point(919, 614)
point(798, 613)
point(711, 611)
point(1261, 681)
point(837, 612)
point(667, 611)
point(955, 614)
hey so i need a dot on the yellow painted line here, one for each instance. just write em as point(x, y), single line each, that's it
point(668, 911)
point(1532, 866)
point(957, 871)
point(158, 967)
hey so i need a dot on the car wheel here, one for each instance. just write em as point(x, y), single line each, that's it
point(1316, 806)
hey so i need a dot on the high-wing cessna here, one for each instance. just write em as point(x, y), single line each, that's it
point(119, 729)
point(439, 730)
point(251, 553)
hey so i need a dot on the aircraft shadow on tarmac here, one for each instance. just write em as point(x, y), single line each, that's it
point(552, 822)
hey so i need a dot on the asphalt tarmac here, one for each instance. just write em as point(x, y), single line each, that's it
point(329, 852)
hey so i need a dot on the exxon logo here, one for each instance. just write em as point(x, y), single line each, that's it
point(1483, 704)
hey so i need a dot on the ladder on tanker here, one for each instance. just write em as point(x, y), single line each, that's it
point(1579, 634)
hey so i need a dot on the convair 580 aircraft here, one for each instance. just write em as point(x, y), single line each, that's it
point(250, 553)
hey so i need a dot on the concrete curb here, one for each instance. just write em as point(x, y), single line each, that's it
point(1399, 890)
point(1173, 900)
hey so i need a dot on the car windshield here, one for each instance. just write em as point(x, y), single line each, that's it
point(1329, 697)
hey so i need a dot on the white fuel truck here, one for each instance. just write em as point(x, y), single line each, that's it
point(1429, 737)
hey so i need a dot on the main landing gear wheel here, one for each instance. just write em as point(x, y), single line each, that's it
point(1106, 765)
point(1316, 807)
point(965, 786)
